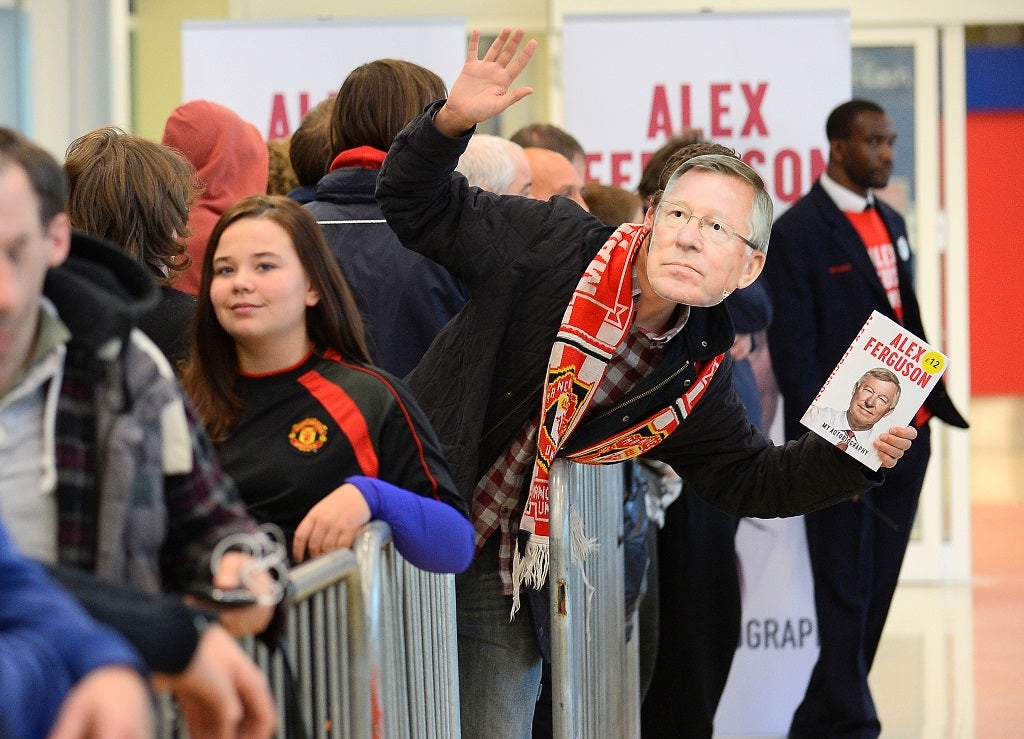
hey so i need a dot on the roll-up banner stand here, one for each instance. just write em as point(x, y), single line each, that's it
point(272, 72)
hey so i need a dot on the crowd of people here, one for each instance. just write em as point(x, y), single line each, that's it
point(391, 316)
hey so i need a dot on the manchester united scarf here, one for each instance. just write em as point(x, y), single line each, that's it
point(595, 323)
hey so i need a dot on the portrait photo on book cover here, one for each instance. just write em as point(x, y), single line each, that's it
point(881, 381)
point(854, 427)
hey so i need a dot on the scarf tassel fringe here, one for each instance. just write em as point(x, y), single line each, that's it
point(530, 569)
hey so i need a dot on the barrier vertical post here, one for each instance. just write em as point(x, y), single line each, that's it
point(595, 673)
point(563, 609)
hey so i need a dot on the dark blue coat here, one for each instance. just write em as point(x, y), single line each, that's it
point(818, 268)
point(751, 312)
point(47, 644)
point(405, 298)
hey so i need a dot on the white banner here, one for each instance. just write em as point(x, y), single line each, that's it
point(778, 632)
point(760, 83)
point(272, 72)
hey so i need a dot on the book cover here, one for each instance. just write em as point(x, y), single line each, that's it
point(881, 381)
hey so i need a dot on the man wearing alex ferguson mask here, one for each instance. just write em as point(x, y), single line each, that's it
point(585, 342)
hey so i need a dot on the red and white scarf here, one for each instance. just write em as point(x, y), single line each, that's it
point(596, 321)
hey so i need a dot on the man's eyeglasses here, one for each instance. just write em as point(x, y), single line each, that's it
point(676, 215)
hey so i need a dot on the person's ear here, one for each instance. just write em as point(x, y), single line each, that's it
point(837, 151)
point(751, 268)
point(649, 215)
point(312, 296)
point(58, 238)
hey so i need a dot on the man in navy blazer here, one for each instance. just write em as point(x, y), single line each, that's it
point(838, 254)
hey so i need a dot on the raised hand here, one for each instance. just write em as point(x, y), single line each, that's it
point(483, 87)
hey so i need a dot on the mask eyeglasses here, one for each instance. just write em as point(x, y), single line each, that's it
point(676, 215)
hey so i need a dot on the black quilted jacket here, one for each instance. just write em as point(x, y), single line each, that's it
point(520, 260)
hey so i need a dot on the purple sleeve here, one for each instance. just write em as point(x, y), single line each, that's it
point(430, 534)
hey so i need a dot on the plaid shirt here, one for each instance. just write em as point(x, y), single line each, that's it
point(166, 521)
point(496, 499)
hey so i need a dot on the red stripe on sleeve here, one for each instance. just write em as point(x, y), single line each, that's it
point(347, 415)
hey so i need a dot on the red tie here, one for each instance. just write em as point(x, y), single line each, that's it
point(841, 446)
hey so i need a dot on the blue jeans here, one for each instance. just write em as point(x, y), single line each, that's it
point(499, 662)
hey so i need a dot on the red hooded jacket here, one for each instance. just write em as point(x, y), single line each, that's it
point(232, 161)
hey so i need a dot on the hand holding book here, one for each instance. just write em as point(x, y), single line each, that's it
point(866, 405)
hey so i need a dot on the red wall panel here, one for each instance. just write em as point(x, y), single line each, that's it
point(995, 222)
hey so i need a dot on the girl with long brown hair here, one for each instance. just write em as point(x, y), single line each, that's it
point(318, 440)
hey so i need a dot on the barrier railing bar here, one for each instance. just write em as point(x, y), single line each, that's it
point(335, 680)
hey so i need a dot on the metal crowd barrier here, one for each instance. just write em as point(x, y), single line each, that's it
point(595, 672)
point(370, 648)
point(326, 646)
point(413, 653)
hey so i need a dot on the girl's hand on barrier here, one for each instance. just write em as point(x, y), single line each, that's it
point(332, 523)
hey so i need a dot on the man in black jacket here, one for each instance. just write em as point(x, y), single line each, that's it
point(585, 342)
point(838, 254)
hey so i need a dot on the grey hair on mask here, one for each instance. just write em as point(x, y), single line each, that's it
point(760, 221)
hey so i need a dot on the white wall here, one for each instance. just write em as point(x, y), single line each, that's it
point(78, 69)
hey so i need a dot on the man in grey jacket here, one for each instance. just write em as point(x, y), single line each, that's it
point(104, 466)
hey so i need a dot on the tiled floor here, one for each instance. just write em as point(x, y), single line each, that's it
point(951, 662)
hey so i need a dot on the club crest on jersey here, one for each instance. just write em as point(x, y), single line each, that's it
point(308, 435)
